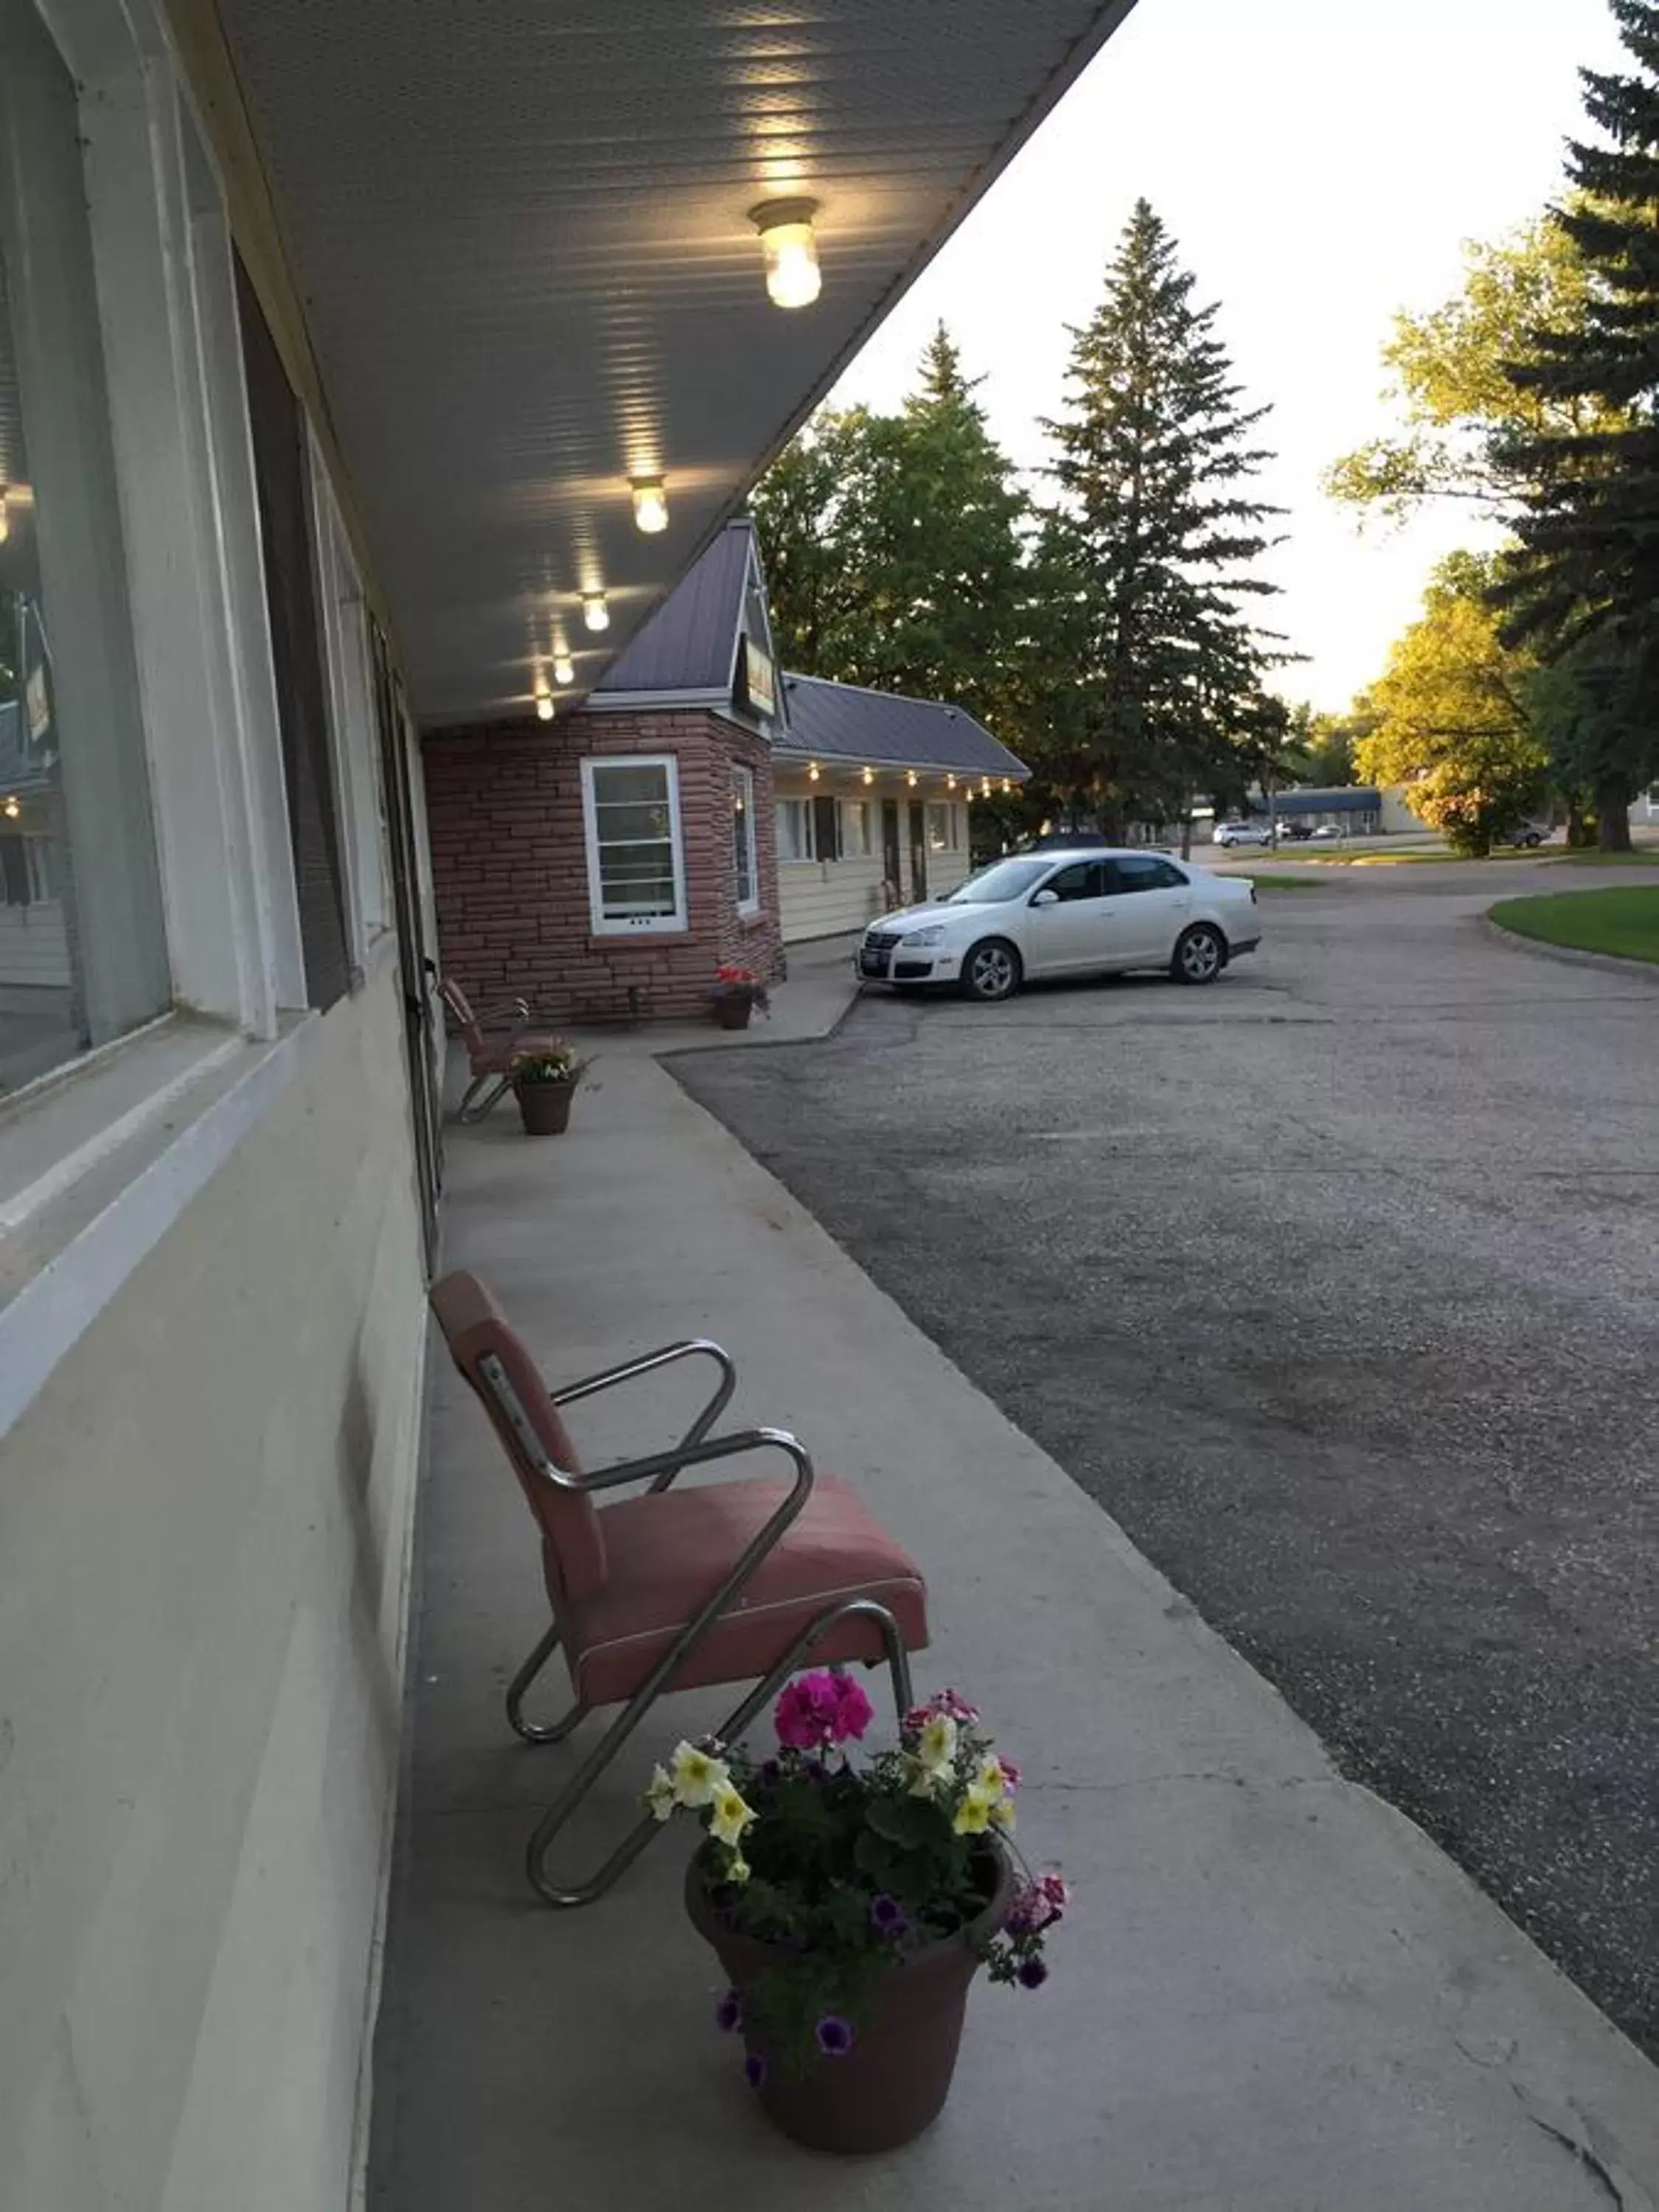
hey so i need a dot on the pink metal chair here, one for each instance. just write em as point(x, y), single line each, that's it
point(489, 1059)
point(675, 1589)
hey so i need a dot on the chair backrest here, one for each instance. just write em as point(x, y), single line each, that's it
point(466, 1021)
point(475, 1328)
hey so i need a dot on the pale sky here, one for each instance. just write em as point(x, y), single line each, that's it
point(1320, 162)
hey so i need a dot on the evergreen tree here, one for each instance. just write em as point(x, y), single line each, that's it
point(1150, 553)
point(1584, 588)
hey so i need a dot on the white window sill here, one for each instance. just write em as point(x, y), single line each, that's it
point(98, 1162)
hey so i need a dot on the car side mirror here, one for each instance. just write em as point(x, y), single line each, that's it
point(1046, 899)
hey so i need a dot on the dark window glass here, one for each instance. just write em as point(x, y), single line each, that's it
point(1136, 873)
point(1082, 880)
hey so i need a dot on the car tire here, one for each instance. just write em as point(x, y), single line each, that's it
point(1199, 955)
point(991, 972)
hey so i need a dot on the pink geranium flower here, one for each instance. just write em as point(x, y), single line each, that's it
point(818, 1709)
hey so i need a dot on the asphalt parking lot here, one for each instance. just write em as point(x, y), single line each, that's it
point(1337, 1284)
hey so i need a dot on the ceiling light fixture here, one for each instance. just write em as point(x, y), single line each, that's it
point(5, 519)
point(910, 778)
point(650, 505)
point(564, 669)
point(543, 708)
point(950, 783)
point(793, 278)
point(812, 772)
point(12, 809)
point(869, 775)
point(595, 613)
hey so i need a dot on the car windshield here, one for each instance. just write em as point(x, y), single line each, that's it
point(1002, 881)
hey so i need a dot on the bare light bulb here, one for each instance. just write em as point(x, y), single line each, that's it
point(650, 505)
point(595, 613)
point(812, 772)
point(793, 278)
point(564, 669)
point(869, 775)
point(543, 708)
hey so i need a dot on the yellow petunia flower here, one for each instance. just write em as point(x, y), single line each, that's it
point(1002, 1815)
point(729, 1816)
point(698, 1776)
point(659, 1796)
point(936, 1747)
point(973, 1815)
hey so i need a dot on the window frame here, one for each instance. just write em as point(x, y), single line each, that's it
point(652, 925)
point(741, 788)
point(861, 811)
point(948, 808)
point(795, 859)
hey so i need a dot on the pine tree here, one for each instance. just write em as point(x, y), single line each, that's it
point(1150, 553)
point(1584, 588)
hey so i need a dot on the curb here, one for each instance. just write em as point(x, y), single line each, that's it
point(1610, 963)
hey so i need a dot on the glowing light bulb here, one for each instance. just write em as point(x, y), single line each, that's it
point(869, 775)
point(950, 783)
point(595, 613)
point(1007, 784)
point(650, 505)
point(543, 708)
point(793, 278)
point(564, 669)
point(812, 772)
point(12, 809)
point(910, 778)
point(5, 519)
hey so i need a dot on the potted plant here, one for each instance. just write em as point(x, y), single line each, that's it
point(545, 1080)
point(851, 1905)
point(734, 994)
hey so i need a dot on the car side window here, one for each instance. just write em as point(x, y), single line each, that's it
point(1138, 873)
point(1080, 881)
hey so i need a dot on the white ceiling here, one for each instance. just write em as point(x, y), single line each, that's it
point(521, 231)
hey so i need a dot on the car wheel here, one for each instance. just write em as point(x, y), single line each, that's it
point(1201, 954)
point(991, 971)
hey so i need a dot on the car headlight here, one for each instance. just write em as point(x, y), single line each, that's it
point(933, 934)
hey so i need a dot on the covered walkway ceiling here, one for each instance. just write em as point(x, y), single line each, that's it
point(520, 230)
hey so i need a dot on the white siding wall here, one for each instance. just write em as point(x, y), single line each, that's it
point(33, 949)
point(204, 1543)
point(829, 898)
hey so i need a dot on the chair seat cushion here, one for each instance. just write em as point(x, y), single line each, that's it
point(667, 1553)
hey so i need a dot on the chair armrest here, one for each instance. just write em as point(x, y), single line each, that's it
point(693, 1348)
point(518, 1007)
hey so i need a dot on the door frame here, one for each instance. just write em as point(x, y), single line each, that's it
point(892, 856)
point(918, 826)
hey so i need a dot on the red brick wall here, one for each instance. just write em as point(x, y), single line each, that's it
point(510, 864)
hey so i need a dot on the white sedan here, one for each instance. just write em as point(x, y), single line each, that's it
point(1067, 914)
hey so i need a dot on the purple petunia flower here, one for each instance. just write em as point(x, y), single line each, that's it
point(754, 2070)
point(1033, 1973)
point(888, 1916)
point(728, 2013)
point(835, 2035)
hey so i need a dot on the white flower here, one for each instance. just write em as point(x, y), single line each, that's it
point(660, 1796)
point(697, 1776)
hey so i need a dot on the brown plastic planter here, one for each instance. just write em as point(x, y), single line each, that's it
point(732, 1011)
point(544, 1108)
point(895, 2080)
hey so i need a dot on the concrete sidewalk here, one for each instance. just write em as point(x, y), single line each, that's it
point(1273, 1996)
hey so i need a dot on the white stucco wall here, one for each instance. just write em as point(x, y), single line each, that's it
point(204, 1546)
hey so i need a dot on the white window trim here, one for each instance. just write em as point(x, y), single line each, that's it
point(352, 749)
point(644, 925)
point(808, 858)
point(745, 777)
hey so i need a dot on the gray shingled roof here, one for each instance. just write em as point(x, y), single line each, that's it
point(841, 721)
point(688, 643)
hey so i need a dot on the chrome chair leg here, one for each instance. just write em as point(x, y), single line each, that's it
point(644, 1830)
point(539, 1731)
point(474, 1106)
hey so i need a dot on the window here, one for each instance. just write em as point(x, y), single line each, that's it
point(944, 828)
point(857, 831)
point(1084, 879)
point(82, 950)
point(746, 870)
point(794, 829)
point(635, 864)
point(1144, 875)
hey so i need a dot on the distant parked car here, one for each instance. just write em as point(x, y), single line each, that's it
point(1327, 834)
point(1295, 833)
point(1528, 834)
point(1241, 833)
point(1067, 914)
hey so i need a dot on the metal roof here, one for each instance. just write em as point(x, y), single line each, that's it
point(1341, 798)
point(690, 643)
point(521, 231)
point(843, 722)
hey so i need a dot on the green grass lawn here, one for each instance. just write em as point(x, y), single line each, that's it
point(1625, 921)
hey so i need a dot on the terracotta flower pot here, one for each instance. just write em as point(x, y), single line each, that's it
point(544, 1108)
point(895, 2080)
point(733, 1010)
